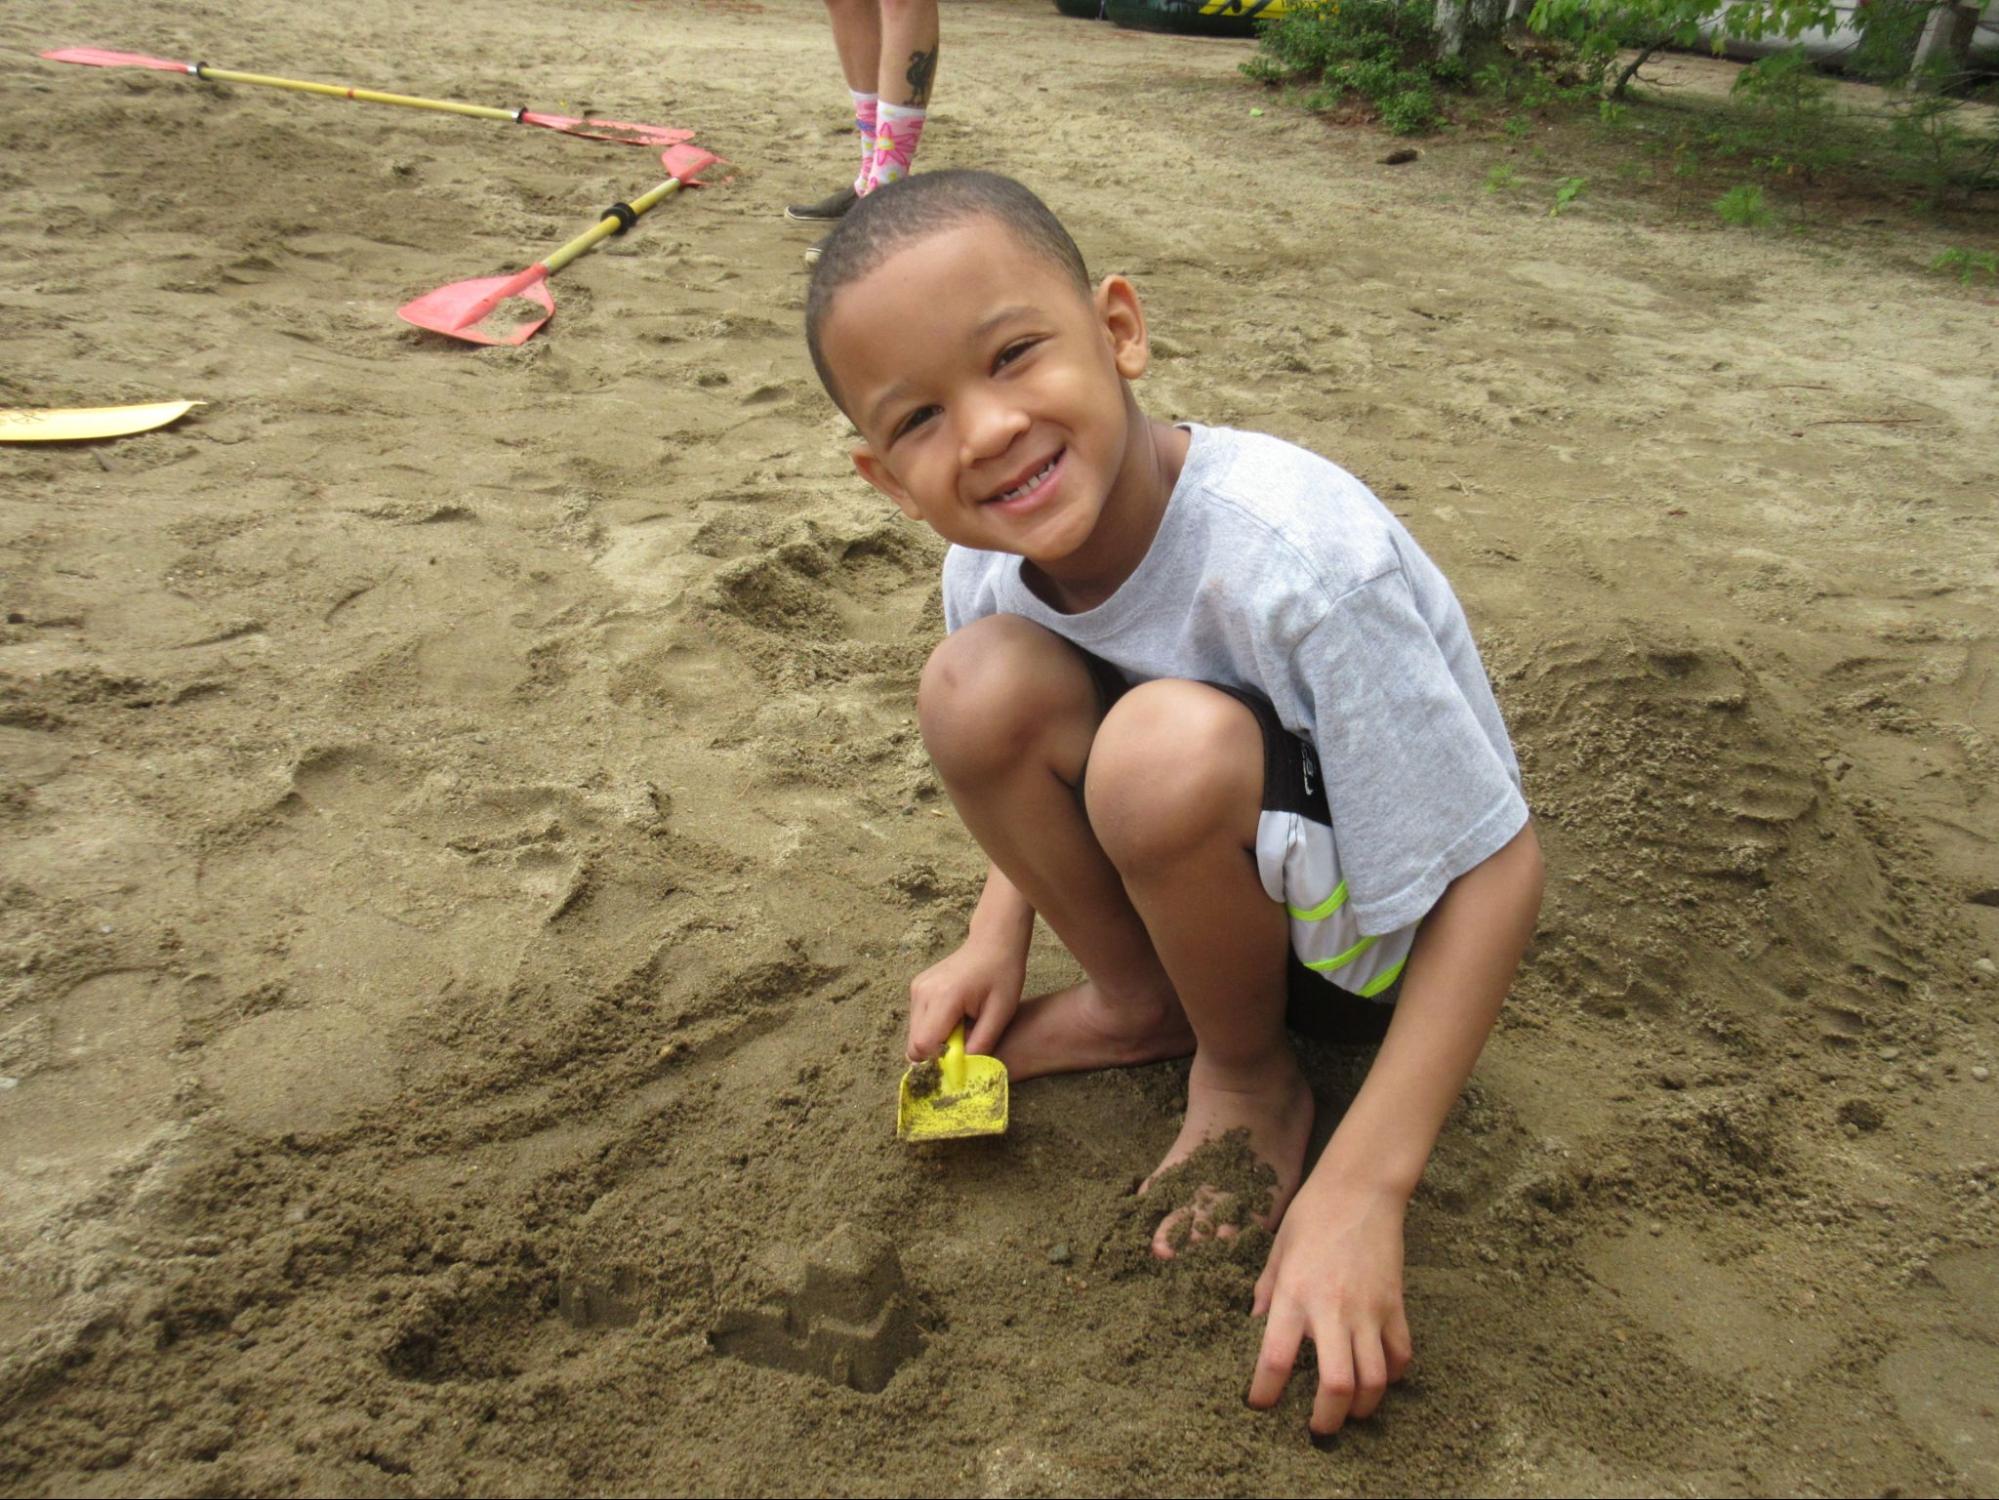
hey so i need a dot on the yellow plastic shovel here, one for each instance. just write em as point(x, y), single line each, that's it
point(954, 1095)
point(77, 423)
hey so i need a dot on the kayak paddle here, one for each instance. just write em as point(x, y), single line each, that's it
point(464, 310)
point(78, 423)
point(605, 130)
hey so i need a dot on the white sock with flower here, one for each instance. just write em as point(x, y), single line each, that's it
point(897, 129)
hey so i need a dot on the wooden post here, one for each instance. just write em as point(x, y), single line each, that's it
point(1946, 38)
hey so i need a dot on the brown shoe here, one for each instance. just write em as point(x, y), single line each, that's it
point(826, 208)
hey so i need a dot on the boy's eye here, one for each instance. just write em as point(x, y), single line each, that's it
point(1013, 352)
point(913, 421)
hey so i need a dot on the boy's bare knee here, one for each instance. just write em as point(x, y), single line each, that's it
point(1176, 766)
point(990, 690)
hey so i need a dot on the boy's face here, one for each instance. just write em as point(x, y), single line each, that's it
point(989, 389)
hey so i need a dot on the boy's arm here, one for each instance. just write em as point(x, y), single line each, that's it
point(1335, 1271)
point(981, 982)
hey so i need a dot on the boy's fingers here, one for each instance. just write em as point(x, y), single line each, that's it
point(1370, 1373)
point(1281, 1337)
point(928, 1026)
point(1397, 1345)
point(1260, 1298)
point(1336, 1386)
point(987, 1028)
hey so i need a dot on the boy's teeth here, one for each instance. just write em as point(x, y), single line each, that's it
point(1027, 484)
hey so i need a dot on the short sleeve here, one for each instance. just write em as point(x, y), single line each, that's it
point(960, 588)
point(1418, 791)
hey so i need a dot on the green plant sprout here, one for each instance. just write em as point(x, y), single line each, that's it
point(1742, 206)
point(1968, 264)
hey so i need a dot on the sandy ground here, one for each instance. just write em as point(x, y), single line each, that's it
point(465, 843)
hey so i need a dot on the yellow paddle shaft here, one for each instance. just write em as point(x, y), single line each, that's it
point(366, 96)
point(610, 224)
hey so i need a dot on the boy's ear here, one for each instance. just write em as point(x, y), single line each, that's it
point(1124, 321)
point(877, 474)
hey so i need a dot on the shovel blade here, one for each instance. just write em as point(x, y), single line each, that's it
point(630, 132)
point(97, 57)
point(686, 162)
point(479, 311)
point(928, 1110)
point(77, 424)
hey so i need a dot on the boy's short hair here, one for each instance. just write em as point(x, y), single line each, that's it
point(914, 208)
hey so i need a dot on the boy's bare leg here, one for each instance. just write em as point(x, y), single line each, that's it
point(1174, 794)
point(1009, 713)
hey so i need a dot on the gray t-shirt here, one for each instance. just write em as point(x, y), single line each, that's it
point(1277, 571)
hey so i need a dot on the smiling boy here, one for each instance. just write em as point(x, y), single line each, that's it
point(1209, 711)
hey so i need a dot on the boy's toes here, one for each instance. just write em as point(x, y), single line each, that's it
point(1211, 1215)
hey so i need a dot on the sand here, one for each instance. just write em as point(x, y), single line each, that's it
point(464, 844)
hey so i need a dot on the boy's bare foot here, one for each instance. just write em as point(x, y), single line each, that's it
point(1077, 1029)
point(1273, 1104)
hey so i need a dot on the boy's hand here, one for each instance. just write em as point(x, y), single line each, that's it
point(1335, 1276)
point(980, 984)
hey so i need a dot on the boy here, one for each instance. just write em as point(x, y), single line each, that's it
point(1212, 714)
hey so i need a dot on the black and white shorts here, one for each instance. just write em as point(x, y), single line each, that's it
point(1342, 982)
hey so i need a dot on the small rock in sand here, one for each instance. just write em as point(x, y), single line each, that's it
point(1981, 1072)
point(1058, 1255)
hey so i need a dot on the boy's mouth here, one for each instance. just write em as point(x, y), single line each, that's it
point(1028, 485)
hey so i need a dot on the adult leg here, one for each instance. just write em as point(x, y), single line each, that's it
point(908, 68)
point(1009, 713)
point(857, 37)
point(1175, 791)
point(857, 40)
point(907, 51)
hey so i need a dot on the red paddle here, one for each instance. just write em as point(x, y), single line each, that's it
point(466, 309)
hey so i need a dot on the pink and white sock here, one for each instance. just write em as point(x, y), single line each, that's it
point(864, 121)
point(897, 129)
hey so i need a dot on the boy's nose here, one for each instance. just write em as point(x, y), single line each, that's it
point(990, 424)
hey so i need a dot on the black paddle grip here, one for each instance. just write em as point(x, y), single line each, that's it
point(624, 214)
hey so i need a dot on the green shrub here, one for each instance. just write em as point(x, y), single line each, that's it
point(1968, 264)
point(1889, 31)
point(1379, 51)
point(1742, 206)
point(1930, 139)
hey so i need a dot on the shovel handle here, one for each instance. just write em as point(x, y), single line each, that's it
point(342, 91)
point(613, 222)
point(951, 1062)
